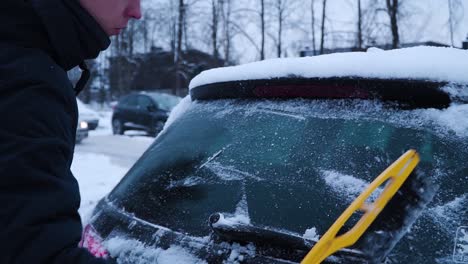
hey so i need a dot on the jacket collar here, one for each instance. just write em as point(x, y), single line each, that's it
point(72, 33)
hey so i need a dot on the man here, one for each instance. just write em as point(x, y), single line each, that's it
point(39, 41)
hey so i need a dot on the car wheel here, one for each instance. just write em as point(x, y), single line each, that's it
point(117, 127)
point(158, 127)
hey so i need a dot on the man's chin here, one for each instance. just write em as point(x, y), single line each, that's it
point(114, 31)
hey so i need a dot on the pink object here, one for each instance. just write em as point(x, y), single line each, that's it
point(93, 242)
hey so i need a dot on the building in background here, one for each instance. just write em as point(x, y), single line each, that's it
point(152, 71)
point(156, 71)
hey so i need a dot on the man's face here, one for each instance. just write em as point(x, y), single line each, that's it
point(113, 15)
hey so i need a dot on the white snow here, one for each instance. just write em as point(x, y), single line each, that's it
point(419, 63)
point(229, 173)
point(105, 126)
point(311, 234)
point(448, 215)
point(133, 251)
point(101, 160)
point(240, 216)
point(457, 92)
point(454, 118)
point(96, 176)
point(187, 182)
point(347, 186)
point(85, 112)
point(233, 220)
point(239, 252)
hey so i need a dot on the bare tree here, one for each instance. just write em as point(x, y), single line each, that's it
point(247, 12)
point(392, 10)
point(282, 10)
point(454, 6)
point(450, 7)
point(280, 6)
point(178, 53)
point(312, 19)
point(322, 37)
point(156, 24)
point(226, 8)
point(373, 21)
point(359, 29)
point(262, 28)
point(173, 27)
point(215, 10)
point(240, 15)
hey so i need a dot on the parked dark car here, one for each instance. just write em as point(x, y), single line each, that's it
point(246, 167)
point(81, 131)
point(146, 111)
point(88, 115)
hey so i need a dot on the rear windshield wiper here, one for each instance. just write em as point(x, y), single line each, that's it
point(261, 236)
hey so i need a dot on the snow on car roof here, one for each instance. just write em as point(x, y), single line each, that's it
point(418, 63)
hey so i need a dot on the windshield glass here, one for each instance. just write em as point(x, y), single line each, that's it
point(293, 165)
point(165, 101)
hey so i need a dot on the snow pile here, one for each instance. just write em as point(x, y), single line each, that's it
point(450, 215)
point(347, 186)
point(455, 118)
point(240, 216)
point(96, 176)
point(311, 234)
point(236, 219)
point(419, 63)
point(457, 92)
point(133, 251)
point(238, 253)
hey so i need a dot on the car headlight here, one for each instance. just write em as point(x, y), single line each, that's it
point(83, 125)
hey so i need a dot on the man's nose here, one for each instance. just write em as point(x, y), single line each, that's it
point(134, 9)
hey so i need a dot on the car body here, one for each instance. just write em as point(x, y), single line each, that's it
point(146, 111)
point(81, 131)
point(88, 115)
point(249, 170)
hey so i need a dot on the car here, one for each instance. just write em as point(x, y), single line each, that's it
point(145, 111)
point(258, 162)
point(81, 131)
point(88, 115)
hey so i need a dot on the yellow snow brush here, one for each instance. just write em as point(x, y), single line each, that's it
point(392, 179)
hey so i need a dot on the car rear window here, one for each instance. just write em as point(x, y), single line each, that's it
point(165, 101)
point(129, 101)
point(293, 165)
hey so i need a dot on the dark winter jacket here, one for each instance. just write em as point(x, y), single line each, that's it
point(39, 41)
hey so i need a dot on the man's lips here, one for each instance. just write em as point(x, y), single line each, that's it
point(118, 30)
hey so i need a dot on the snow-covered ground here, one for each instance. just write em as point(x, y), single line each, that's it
point(102, 159)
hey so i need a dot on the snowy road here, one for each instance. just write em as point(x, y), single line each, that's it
point(122, 150)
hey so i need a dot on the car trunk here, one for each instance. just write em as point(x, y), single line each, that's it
point(291, 166)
